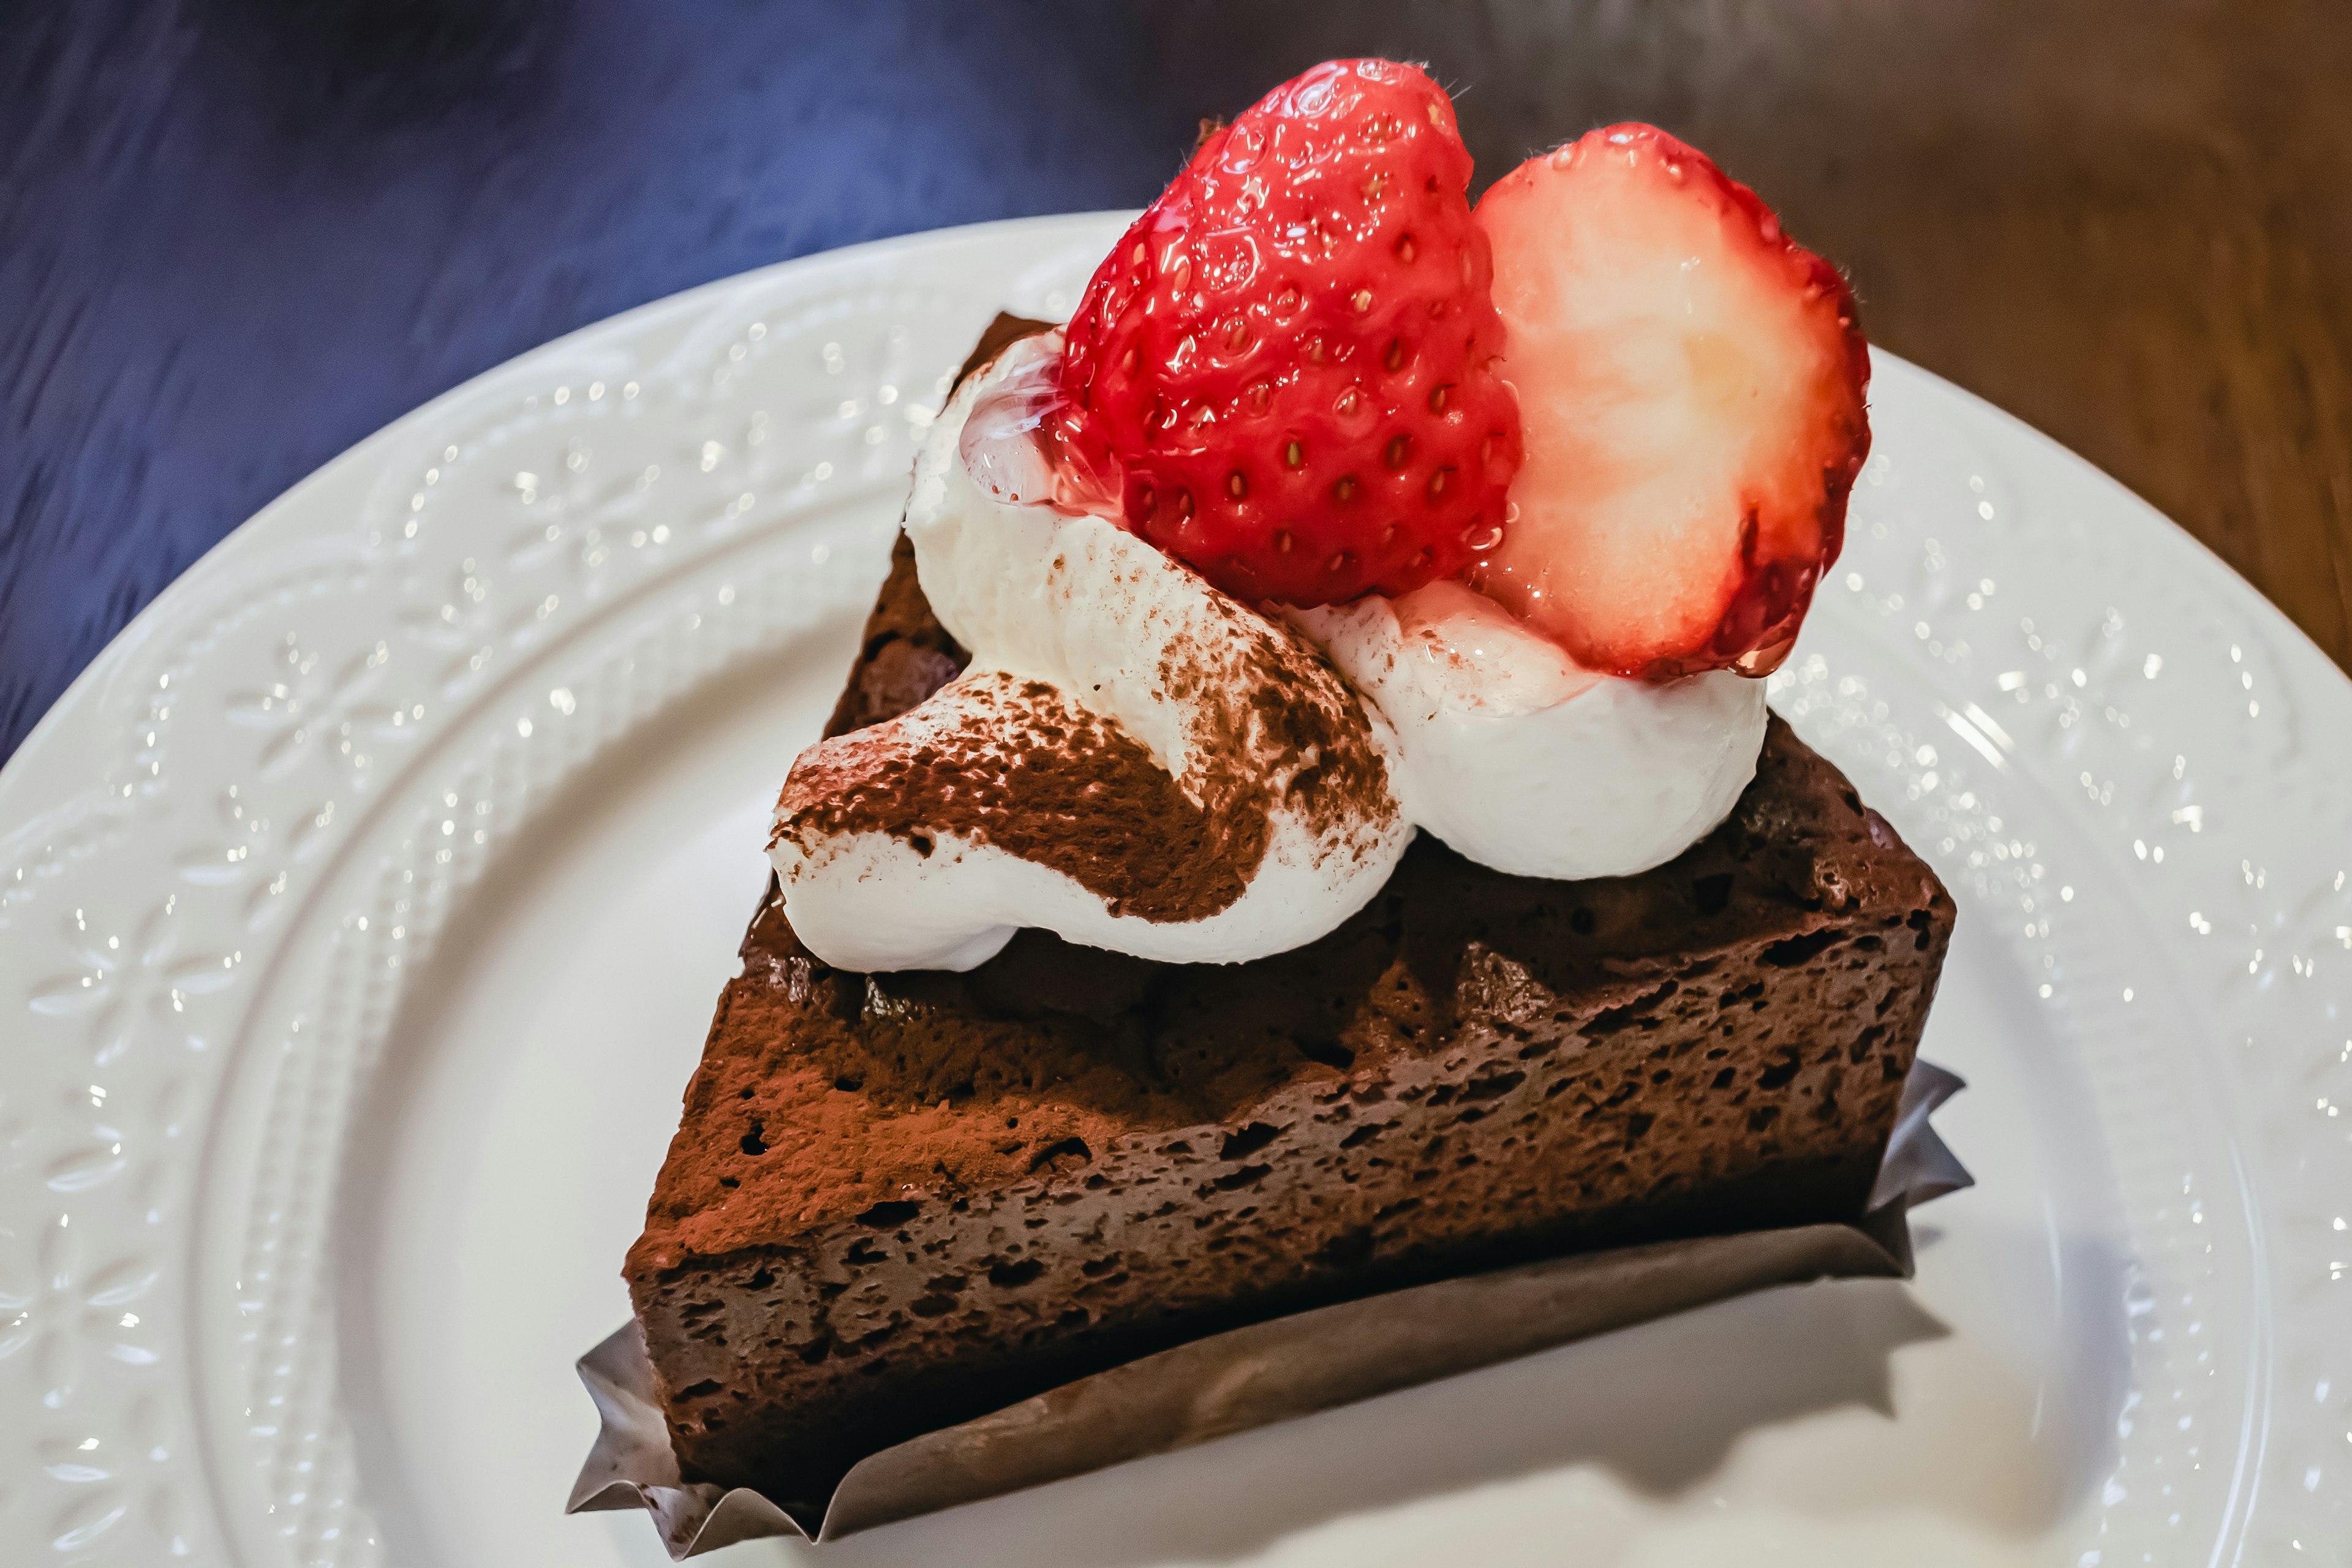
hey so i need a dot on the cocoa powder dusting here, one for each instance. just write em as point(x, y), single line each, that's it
point(1275, 727)
point(1014, 765)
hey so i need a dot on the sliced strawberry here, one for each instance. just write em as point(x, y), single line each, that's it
point(1691, 382)
point(1288, 359)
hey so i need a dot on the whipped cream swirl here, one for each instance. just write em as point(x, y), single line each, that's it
point(1135, 761)
point(1132, 760)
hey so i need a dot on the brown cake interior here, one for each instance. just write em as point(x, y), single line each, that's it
point(897, 1201)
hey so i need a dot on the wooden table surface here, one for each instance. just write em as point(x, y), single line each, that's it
point(236, 236)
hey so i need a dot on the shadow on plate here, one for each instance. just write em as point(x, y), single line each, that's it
point(1736, 1366)
point(2009, 1444)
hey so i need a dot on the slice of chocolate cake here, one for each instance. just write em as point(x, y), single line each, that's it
point(899, 1200)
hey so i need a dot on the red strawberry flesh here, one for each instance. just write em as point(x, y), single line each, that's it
point(1692, 387)
point(1288, 359)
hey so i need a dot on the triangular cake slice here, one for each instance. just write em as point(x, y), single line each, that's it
point(899, 1200)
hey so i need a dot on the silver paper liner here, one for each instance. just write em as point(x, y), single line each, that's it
point(1265, 1373)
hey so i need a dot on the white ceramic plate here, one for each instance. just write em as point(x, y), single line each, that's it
point(362, 907)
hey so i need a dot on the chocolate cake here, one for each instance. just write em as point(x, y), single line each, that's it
point(899, 1200)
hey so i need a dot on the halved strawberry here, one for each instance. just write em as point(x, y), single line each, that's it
point(1289, 356)
point(1690, 382)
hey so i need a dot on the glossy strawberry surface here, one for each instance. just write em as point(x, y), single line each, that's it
point(1286, 365)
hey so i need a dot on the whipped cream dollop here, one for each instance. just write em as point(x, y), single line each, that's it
point(1132, 758)
point(1522, 761)
point(1135, 761)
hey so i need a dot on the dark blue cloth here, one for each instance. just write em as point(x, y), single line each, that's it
point(236, 236)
